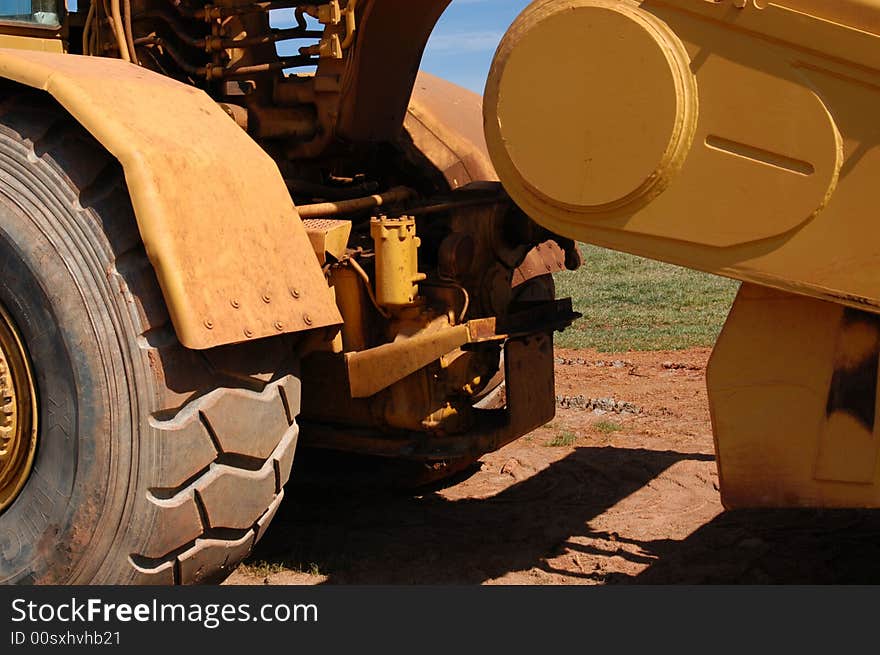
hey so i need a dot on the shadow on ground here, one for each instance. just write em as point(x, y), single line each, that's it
point(770, 547)
point(370, 535)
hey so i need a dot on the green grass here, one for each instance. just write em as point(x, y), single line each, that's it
point(565, 438)
point(264, 569)
point(607, 427)
point(631, 303)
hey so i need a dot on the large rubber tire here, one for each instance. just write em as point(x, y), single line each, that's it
point(154, 464)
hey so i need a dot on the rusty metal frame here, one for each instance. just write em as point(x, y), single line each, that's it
point(531, 402)
point(230, 252)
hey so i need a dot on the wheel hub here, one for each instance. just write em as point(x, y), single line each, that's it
point(18, 414)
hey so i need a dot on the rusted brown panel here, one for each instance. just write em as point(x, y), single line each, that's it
point(543, 259)
point(445, 123)
point(231, 255)
point(391, 39)
point(531, 390)
point(483, 329)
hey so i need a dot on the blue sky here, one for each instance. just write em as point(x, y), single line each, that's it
point(462, 45)
point(464, 41)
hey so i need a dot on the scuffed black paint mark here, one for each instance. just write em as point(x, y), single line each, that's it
point(854, 387)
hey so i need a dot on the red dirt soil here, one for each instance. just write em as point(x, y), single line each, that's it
point(632, 499)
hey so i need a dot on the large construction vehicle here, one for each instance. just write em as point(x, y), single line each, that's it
point(736, 137)
point(231, 228)
point(213, 252)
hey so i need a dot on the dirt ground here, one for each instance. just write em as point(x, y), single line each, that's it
point(620, 488)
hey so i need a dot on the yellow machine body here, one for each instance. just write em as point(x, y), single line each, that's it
point(233, 265)
point(736, 137)
point(732, 139)
point(793, 393)
point(16, 42)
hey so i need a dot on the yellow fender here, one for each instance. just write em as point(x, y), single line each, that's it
point(229, 250)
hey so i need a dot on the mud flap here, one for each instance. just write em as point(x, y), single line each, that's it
point(229, 250)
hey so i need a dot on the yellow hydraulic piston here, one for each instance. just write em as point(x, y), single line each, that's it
point(397, 261)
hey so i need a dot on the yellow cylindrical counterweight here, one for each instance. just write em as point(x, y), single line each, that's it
point(618, 109)
point(397, 261)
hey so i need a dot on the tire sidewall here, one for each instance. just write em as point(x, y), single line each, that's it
point(66, 521)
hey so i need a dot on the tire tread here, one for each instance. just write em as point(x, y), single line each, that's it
point(224, 441)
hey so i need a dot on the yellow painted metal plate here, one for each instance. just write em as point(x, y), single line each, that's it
point(31, 43)
point(861, 14)
point(793, 387)
point(230, 252)
point(328, 237)
point(372, 370)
